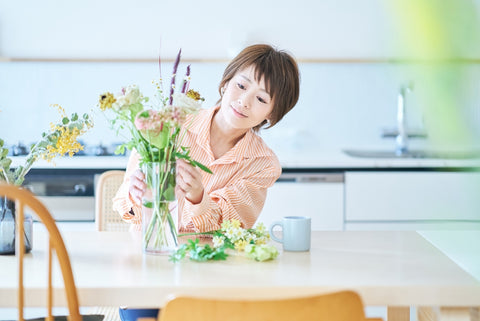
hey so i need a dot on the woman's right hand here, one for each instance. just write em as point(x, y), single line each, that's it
point(137, 186)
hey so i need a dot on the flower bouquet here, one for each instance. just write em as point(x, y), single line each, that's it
point(59, 141)
point(155, 134)
point(231, 235)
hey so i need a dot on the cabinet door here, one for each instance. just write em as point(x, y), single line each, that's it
point(319, 199)
point(412, 196)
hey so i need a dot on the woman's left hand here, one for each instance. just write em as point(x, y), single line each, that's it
point(189, 182)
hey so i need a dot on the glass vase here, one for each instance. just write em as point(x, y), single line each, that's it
point(7, 228)
point(159, 209)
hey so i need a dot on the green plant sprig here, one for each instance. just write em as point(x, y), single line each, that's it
point(40, 149)
point(200, 252)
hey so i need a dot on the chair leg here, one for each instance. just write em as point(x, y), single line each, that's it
point(448, 314)
point(398, 313)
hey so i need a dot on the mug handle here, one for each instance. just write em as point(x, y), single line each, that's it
point(277, 223)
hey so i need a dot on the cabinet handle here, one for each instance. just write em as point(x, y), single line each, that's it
point(311, 178)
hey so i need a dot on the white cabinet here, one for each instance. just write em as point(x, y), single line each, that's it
point(412, 200)
point(317, 195)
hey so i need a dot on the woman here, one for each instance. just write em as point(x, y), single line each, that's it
point(259, 86)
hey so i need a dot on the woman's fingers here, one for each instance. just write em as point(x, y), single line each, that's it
point(189, 181)
point(137, 186)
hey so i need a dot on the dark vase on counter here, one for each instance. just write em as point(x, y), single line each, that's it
point(7, 228)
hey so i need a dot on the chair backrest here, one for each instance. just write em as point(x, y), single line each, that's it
point(106, 219)
point(25, 198)
point(338, 306)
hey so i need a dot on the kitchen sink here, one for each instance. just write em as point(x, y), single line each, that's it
point(413, 154)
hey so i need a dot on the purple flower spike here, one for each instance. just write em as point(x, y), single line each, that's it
point(174, 73)
point(185, 81)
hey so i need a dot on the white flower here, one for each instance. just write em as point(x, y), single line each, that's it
point(187, 104)
point(129, 96)
point(230, 233)
point(260, 228)
point(218, 241)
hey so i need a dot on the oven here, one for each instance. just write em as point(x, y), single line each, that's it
point(69, 194)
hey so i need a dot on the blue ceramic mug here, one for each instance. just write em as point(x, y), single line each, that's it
point(296, 232)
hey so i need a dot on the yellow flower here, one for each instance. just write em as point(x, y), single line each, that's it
point(194, 95)
point(64, 137)
point(66, 143)
point(236, 223)
point(226, 224)
point(240, 245)
point(261, 240)
point(106, 101)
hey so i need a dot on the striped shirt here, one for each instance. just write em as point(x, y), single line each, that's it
point(237, 189)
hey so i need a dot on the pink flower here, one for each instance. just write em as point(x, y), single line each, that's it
point(150, 120)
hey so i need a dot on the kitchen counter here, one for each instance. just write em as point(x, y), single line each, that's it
point(325, 160)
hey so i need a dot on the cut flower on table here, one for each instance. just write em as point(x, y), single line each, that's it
point(231, 236)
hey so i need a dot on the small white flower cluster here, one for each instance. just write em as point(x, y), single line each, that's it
point(232, 232)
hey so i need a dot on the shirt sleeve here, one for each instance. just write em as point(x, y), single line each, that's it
point(242, 200)
point(122, 202)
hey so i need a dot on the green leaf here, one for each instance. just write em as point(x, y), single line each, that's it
point(199, 253)
point(144, 114)
point(148, 204)
point(169, 193)
point(5, 163)
point(135, 109)
point(74, 117)
point(1, 142)
point(201, 166)
point(65, 120)
point(120, 149)
point(158, 140)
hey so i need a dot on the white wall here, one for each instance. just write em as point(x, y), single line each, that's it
point(341, 104)
point(218, 28)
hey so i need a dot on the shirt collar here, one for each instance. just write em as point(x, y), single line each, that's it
point(247, 147)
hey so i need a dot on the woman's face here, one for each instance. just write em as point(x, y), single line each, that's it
point(245, 102)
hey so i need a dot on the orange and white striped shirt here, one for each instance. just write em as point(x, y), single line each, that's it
point(237, 189)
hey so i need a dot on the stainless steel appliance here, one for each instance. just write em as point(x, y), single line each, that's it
point(69, 193)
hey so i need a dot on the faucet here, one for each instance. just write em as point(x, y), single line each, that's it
point(402, 135)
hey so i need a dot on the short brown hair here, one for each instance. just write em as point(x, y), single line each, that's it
point(279, 71)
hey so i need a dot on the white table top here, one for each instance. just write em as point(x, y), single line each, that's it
point(388, 268)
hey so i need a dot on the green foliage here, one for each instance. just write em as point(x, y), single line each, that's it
point(230, 236)
point(200, 252)
point(41, 148)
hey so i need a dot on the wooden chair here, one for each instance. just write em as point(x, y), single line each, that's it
point(23, 198)
point(338, 306)
point(106, 219)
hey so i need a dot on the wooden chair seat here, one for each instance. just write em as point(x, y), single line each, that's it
point(338, 306)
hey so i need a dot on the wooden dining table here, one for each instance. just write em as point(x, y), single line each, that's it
point(397, 269)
